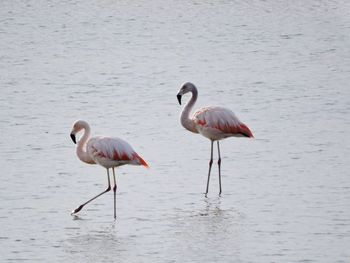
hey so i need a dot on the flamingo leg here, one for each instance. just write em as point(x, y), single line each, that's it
point(114, 190)
point(219, 165)
point(105, 191)
point(210, 164)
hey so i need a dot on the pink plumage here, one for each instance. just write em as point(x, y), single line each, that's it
point(214, 123)
point(218, 123)
point(105, 151)
point(110, 152)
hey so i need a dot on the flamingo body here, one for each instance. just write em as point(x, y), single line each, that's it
point(112, 152)
point(105, 151)
point(214, 123)
point(217, 123)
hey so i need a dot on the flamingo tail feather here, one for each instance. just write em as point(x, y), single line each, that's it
point(244, 130)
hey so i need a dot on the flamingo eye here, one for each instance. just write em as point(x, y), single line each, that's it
point(76, 127)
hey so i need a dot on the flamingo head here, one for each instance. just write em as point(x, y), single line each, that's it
point(77, 127)
point(185, 88)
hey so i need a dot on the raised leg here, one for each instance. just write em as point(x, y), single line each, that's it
point(219, 165)
point(114, 191)
point(105, 191)
point(210, 164)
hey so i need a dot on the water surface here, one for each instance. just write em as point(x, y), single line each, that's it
point(282, 67)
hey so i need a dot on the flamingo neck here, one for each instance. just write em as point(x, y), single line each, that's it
point(186, 121)
point(81, 146)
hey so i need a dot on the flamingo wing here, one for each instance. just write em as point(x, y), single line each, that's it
point(114, 150)
point(220, 120)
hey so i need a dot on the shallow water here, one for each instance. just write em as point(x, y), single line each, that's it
point(283, 68)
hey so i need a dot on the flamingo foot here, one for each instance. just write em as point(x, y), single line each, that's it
point(77, 210)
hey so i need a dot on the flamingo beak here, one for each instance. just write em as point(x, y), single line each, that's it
point(72, 135)
point(179, 98)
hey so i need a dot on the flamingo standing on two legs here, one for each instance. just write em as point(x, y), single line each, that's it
point(105, 151)
point(214, 123)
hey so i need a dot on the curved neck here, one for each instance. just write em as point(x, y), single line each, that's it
point(186, 121)
point(81, 146)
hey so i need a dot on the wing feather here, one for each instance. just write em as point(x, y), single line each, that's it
point(221, 119)
point(114, 149)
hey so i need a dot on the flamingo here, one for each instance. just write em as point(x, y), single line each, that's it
point(214, 123)
point(105, 151)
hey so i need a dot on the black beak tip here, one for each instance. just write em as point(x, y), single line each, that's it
point(179, 98)
point(73, 138)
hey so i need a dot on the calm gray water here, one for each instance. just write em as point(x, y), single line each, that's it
point(282, 66)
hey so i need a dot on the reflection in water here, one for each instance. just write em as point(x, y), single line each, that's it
point(76, 217)
point(212, 206)
point(211, 226)
point(96, 244)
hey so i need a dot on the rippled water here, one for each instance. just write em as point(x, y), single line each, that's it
point(284, 68)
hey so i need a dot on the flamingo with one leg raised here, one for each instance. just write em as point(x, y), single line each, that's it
point(105, 151)
point(214, 123)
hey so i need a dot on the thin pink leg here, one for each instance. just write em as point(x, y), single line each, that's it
point(210, 164)
point(114, 191)
point(219, 165)
point(105, 191)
